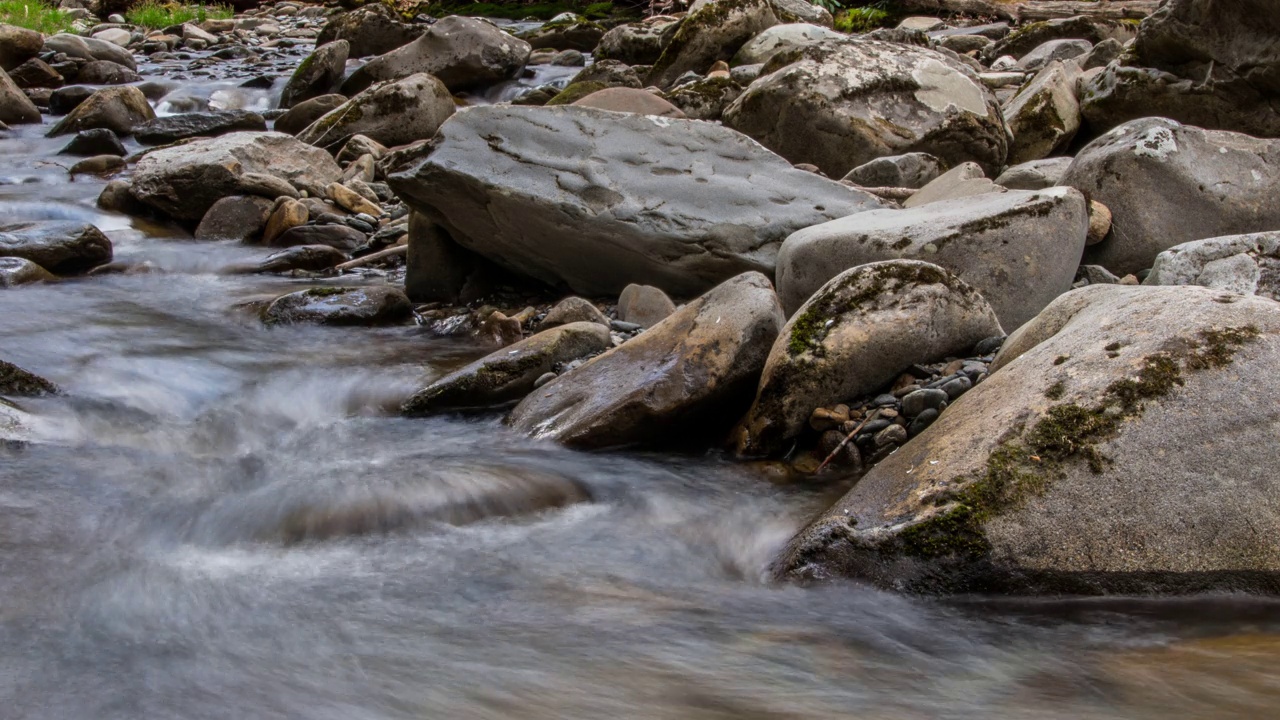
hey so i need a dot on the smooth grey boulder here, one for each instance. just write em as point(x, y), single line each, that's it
point(638, 43)
point(15, 107)
point(340, 306)
point(839, 105)
point(713, 30)
point(644, 305)
point(1085, 463)
point(1044, 115)
point(391, 113)
point(317, 75)
point(688, 376)
point(1167, 183)
point(857, 333)
point(370, 30)
point(462, 52)
point(508, 375)
point(172, 128)
point(119, 109)
point(1035, 174)
point(1245, 264)
point(597, 200)
point(1054, 51)
point(184, 181)
point(65, 247)
point(803, 11)
point(16, 271)
point(764, 46)
point(912, 170)
point(90, 49)
point(1019, 249)
point(18, 45)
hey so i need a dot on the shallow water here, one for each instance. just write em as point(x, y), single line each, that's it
point(156, 561)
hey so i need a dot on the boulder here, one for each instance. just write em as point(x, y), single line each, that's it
point(609, 73)
point(309, 258)
point(912, 170)
point(371, 30)
point(15, 107)
point(566, 32)
point(573, 310)
point(685, 377)
point(1094, 459)
point(36, 73)
point(1019, 249)
point(713, 30)
point(118, 109)
point(305, 113)
point(1167, 183)
point(65, 247)
point(1035, 174)
point(99, 141)
point(1033, 35)
point(598, 200)
point(392, 113)
point(340, 237)
point(18, 45)
point(16, 271)
point(286, 214)
point(644, 305)
point(629, 100)
point(802, 11)
point(462, 52)
point(838, 106)
point(90, 49)
point(638, 43)
point(172, 128)
point(764, 46)
point(1054, 51)
point(856, 334)
point(509, 374)
point(340, 306)
point(65, 99)
point(115, 36)
point(706, 98)
point(105, 72)
point(963, 180)
point(318, 74)
point(184, 181)
point(1245, 264)
point(1044, 116)
point(237, 217)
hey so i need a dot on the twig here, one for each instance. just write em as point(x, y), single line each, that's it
point(846, 440)
point(373, 257)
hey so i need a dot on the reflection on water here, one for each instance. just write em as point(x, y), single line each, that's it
point(219, 520)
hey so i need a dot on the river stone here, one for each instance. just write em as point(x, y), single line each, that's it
point(341, 237)
point(1245, 264)
point(764, 46)
point(16, 382)
point(359, 146)
point(311, 258)
point(15, 107)
point(1033, 35)
point(65, 99)
point(318, 74)
point(1019, 249)
point(853, 337)
point(99, 141)
point(1086, 463)
point(508, 375)
point(912, 170)
point(392, 113)
point(839, 105)
point(186, 180)
point(173, 128)
point(371, 30)
point(119, 109)
point(462, 52)
point(237, 217)
point(611, 73)
point(1044, 115)
point(65, 247)
point(287, 213)
point(567, 32)
point(90, 49)
point(1052, 51)
point(115, 36)
point(598, 200)
point(705, 98)
point(97, 165)
point(1167, 183)
point(685, 377)
point(573, 310)
point(300, 116)
point(18, 45)
point(105, 72)
point(638, 43)
point(629, 100)
point(363, 306)
point(712, 31)
point(963, 180)
point(802, 11)
point(1035, 174)
point(36, 73)
point(15, 271)
point(644, 305)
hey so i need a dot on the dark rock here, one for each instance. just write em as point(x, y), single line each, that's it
point(105, 72)
point(335, 236)
point(173, 128)
point(118, 108)
point(366, 306)
point(60, 246)
point(307, 112)
point(99, 141)
point(928, 399)
point(238, 217)
point(64, 100)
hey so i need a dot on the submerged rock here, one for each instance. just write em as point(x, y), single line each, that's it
point(372, 305)
point(16, 271)
point(16, 382)
point(65, 247)
point(165, 130)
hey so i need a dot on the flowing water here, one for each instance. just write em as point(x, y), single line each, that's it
point(220, 520)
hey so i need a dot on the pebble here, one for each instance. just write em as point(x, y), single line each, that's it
point(922, 421)
point(623, 326)
point(885, 400)
point(921, 400)
point(955, 388)
point(543, 379)
point(890, 435)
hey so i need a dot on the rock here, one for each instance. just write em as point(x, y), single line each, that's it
point(185, 181)
point(574, 310)
point(963, 180)
point(1167, 183)
point(14, 381)
point(318, 74)
point(802, 11)
point(610, 73)
point(462, 52)
point(1019, 249)
point(364, 306)
point(16, 271)
point(1034, 35)
point(99, 141)
point(97, 165)
point(572, 32)
point(349, 199)
point(305, 113)
point(340, 237)
point(359, 146)
point(237, 217)
point(922, 24)
point(637, 43)
point(713, 30)
point(912, 170)
point(173, 128)
point(1085, 463)
point(764, 46)
point(15, 107)
point(18, 45)
point(371, 30)
point(963, 44)
point(1035, 174)
point(105, 72)
point(644, 305)
point(1054, 50)
point(1245, 264)
point(264, 185)
point(515, 185)
point(682, 378)
point(90, 49)
point(1102, 54)
point(116, 197)
point(436, 266)
point(707, 98)
point(885, 98)
point(286, 214)
point(1099, 222)
point(311, 258)
point(510, 374)
point(36, 73)
point(629, 100)
point(118, 109)
point(1044, 116)
point(919, 402)
point(393, 113)
point(115, 36)
point(855, 335)
point(64, 247)
point(65, 99)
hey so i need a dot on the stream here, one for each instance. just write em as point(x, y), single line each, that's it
point(148, 568)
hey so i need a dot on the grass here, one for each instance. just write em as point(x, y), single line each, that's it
point(156, 15)
point(34, 15)
point(862, 19)
point(519, 11)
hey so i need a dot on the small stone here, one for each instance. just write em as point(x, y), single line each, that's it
point(543, 379)
point(1130, 279)
point(351, 200)
point(98, 165)
point(574, 309)
point(957, 387)
point(289, 213)
point(921, 400)
point(622, 326)
point(824, 419)
point(885, 400)
point(889, 413)
point(1099, 222)
point(906, 390)
point(892, 434)
point(97, 141)
point(953, 367)
point(922, 421)
point(989, 346)
point(875, 426)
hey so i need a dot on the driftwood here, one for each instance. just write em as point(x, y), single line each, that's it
point(373, 257)
point(1034, 9)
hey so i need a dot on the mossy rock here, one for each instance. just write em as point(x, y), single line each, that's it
point(14, 381)
point(575, 92)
